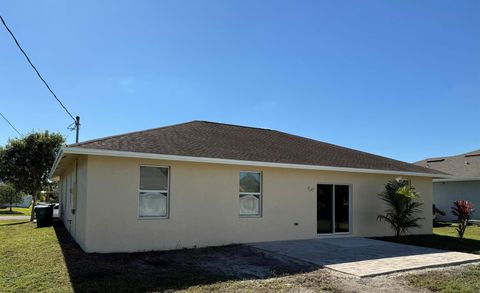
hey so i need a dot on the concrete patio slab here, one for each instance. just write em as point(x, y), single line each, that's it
point(364, 257)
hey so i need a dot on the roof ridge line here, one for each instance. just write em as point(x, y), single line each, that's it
point(235, 125)
point(344, 147)
point(452, 156)
point(308, 138)
point(127, 133)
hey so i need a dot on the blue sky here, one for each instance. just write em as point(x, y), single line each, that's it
point(395, 78)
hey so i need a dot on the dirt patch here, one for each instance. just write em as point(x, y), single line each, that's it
point(247, 262)
point(321, 280)
point(380, 284)
point(232, 262)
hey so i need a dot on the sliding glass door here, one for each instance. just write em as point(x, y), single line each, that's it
point(333, 208)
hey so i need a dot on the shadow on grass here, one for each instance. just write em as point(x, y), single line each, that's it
point(15, 223)
point(169, 270)
point(8, 212)
point(438, 241)
point(441, 224)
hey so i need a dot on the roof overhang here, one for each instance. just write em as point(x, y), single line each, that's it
point(99, 152)
point(456, 179)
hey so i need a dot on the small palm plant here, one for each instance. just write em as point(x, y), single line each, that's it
point(402, 207)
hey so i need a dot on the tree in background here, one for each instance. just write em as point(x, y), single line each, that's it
point(8, 195)
point(402, 207)
point(25, 162)
point(462, 209)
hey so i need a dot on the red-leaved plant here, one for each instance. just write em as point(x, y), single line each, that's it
point(462, 209)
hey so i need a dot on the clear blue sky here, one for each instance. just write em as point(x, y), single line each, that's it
point(395, 78)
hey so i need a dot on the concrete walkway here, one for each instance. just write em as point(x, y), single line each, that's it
point(364, 257)
point(8, 218)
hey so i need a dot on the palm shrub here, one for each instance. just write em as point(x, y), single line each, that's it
point(402, 206)
point(462, 209)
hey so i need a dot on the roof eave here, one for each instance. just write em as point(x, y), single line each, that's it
point(456, 179)
point(58, 158)
point(111, 153)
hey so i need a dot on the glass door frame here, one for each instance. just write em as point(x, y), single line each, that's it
point(350, 209)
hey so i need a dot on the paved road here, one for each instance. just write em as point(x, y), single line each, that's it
point(9, 218)
point(366, 257)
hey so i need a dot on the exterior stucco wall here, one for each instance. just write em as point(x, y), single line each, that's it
point(445, 193)
point(204, 205)
point(74, 181)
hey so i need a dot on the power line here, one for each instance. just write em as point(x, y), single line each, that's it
point(10, 124)
point(76, 119)
point(34, 68)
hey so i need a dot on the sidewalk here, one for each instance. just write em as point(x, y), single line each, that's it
point(9, 218)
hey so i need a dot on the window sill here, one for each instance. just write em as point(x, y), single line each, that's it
point(334, 235)
point(250, 217)
point(152, 218)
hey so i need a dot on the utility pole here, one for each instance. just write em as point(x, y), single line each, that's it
point(77, 127)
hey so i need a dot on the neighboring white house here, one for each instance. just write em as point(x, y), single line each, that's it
point(465, 183)
point(26, 202)
point(201, 184)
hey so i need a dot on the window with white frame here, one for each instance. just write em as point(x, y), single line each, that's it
point(250, 194)
point(153, 192)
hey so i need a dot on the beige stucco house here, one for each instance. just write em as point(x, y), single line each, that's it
point(464, 184)
point(202, 184)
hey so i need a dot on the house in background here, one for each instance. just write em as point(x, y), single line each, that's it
point(202, 184)
point(26, 202)
point(465, 183)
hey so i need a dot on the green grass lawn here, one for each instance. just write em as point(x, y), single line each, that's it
point(16, 211)
point(465, 280)
point(445, 237)
point(472, 232)
point(31, 259)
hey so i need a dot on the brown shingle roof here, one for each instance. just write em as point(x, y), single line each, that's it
point(466, 166)
point(224, 141)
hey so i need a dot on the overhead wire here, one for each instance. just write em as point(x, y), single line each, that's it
point(35, 69)
point(10, 123)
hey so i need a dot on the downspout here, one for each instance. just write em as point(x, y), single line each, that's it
point(74, 197)
point(76, 188)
